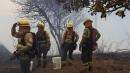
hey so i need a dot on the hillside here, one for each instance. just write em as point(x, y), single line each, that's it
point(4, 55)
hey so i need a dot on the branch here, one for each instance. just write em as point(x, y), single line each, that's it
point(42, 12)
point(117, 8)
point(128, 7)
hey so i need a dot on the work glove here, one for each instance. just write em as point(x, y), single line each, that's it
point(19, 46)
point(13, 56)
point(15, 24)
point(62, 45)
point(80, 47)
point(21, 49)
point(74, 46)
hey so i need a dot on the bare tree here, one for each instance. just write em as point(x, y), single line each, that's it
point(50, 11)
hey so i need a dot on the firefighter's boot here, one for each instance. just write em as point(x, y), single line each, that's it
point(39, 63)
point(44, 63)
point(69, 62)
point(63, 63)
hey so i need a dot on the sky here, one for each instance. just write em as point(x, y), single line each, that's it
point(7, 18)
point(112, 29)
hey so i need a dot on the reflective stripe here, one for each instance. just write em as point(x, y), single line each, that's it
point(85, 67)
point(84, 64)
point(40, 42)
point(88, 64)
point(88, 33)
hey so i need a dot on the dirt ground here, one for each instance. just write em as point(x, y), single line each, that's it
point(119, 63)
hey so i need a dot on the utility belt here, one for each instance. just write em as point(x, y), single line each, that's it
point(18, 54)
point(70, 43)
point(73, 45)
point(42, 42)
point(87, 43)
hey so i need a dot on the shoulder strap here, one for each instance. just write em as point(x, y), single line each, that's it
point(23, 39)
point(88, 32)
point(34, 36)
point(65, 34)
point(45, 33)
point(73, 36)
point(34, 40)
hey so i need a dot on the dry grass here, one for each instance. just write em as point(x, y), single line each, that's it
point(101, 64)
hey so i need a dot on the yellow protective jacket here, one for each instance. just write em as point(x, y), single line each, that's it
point(90, 36)
point(28, 39)
point(43, 39)
point(70, 37)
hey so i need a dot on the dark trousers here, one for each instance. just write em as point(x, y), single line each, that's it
point(25, 64)
point(41, 51)
point(86, 56)
point(67, 51)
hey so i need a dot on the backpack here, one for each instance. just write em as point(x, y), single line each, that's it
point(94, 36)
point(32, 50)
point(39, 36)
point(42, 38)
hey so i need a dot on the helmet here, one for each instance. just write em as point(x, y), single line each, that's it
point(40, 24)
point(24, 22)
point(88, 20)
point(69, 24)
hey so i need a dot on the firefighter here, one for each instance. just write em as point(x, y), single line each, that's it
point(25, 43)
point(43, 44)
point(69, 41)
point(88, 45)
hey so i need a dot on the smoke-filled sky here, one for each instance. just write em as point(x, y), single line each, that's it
point(7, 17)
point(113, 28)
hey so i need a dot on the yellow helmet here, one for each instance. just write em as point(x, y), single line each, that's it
point(88, 20)
point(69, 24)
point(24, 22)
point(40, 24)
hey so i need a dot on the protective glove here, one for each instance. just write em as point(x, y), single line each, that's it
point(19, 46)
point(80, 48)
point(15, 24)
point(74, 46)
point(13, 56)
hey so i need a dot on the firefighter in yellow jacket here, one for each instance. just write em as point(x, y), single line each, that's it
point(43, 44)
point(69, 41)
point(24, 44)
point(88, 45)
